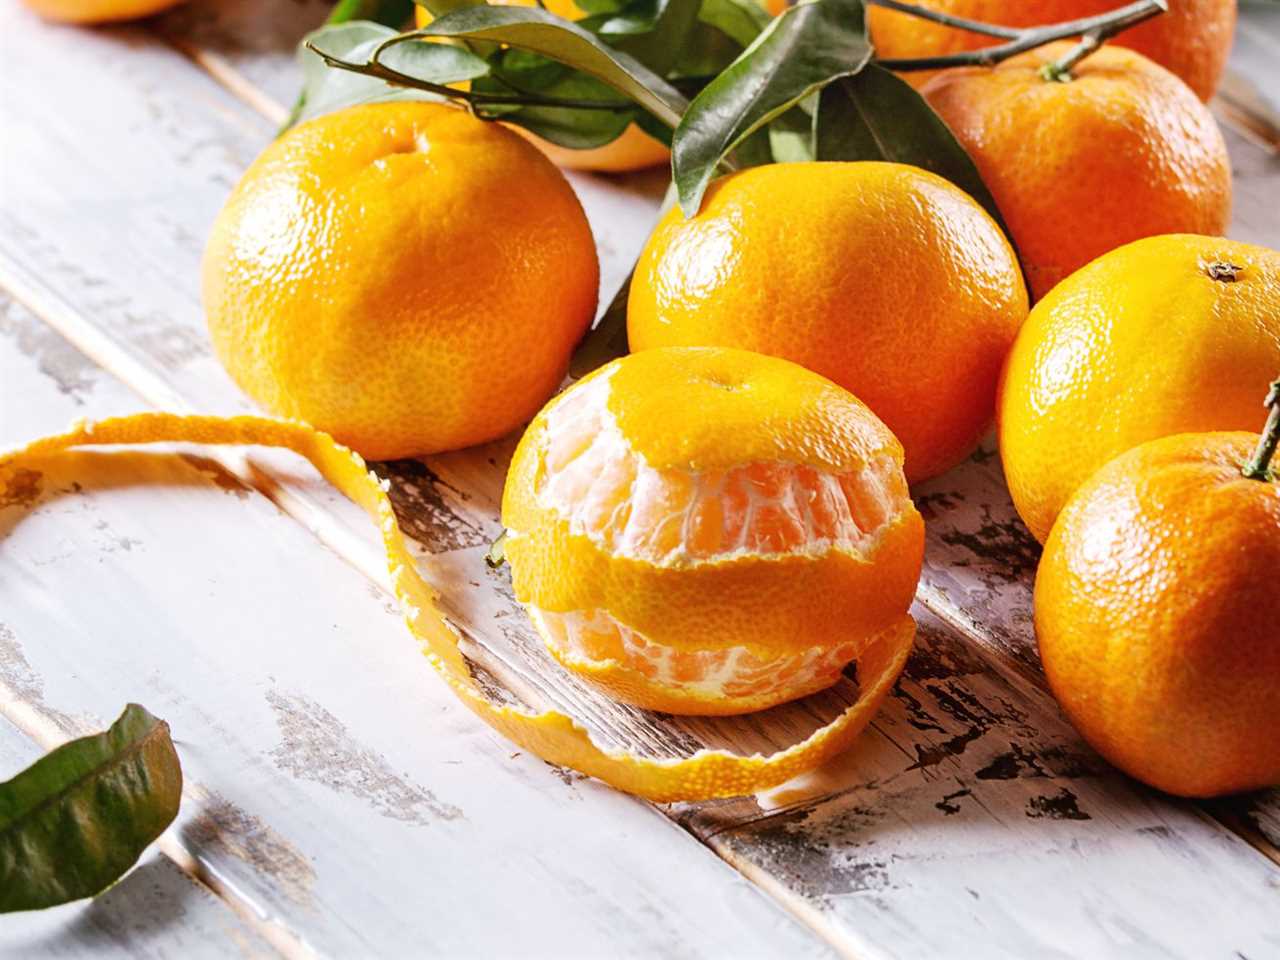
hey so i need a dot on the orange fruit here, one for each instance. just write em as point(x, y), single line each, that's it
point(1166, 335)
point(1122, 151)
point(633, 150)
point(883, 277)
point(375, 274)
point(97, 11)
point(1192, 40)
point(710, 531)
point(1158, 614)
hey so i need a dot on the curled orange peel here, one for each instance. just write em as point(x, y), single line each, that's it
point(551, 735)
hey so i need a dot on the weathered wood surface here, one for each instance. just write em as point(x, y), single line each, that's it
point(957, 717)
point(335, 792)
point(157, 911)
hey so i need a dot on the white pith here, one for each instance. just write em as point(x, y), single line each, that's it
point(619, 506)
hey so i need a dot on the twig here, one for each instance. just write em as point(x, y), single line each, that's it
point(1098, 27)
point(947, 20)
point(1259, 465)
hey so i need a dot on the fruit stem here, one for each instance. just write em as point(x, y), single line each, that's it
point(1094, 29)
point(1259, 465)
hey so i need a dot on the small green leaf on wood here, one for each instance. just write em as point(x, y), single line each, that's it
point(876, 115)
point(73, 822)
point(799, 53)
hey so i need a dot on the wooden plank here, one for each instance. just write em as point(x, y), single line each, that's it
point(156, 911)
point(463, 487)
point(974, 822)
point(335, 791)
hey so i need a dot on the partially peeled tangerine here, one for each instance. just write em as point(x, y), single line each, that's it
point(768, 543)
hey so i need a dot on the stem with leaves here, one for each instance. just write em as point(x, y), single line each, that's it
point(1259, 465)
point(1094, 31)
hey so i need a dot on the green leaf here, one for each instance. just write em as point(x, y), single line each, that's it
point(530, 28)
point(438, 8)
point(655, 32)
point(743, 20)
point(390, 13)
point(325, 89)
point(876, 115)
point(73, 822)
point(569, 127)
point(800, 52)
point(791, 136)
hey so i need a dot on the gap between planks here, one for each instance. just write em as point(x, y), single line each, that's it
point(317, 519)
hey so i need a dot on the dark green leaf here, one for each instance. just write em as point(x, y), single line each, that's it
point(530, 28)
point(438, 8)
point(569, 127)
point(743, 20)
point(800, 52)
point(326, 89)
point(878, 116)
point(655, 32)
point(390, 13)
point(73, 822)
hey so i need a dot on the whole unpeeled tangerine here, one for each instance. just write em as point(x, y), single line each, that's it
point(403, 276)
point(97, 11)
point(1157, 612)
point(1167, 335)
point(882, 277)
point(1121, 151)
point(1192, 39)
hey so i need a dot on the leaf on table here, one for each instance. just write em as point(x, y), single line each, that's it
point(531, 28)
point(876, 115)
point(73, 822)
point(325, 89)
point(800, 52)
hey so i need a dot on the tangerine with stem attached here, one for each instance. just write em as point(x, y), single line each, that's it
point(1158, 613)
point(1120, 151)
point(1191, 40)
point(710, 531)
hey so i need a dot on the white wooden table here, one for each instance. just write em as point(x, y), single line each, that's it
point(339, 801)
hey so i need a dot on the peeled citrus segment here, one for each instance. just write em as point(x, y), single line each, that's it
point(551, 735)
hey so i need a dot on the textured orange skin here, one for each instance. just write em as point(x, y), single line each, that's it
point(634, 150)
point(1192, 39)
point(1158, 615)
point(708, 409)
point(882, 277)
point(1121, 152)
point(97, 11)
point(404, 301)
point(1140, 344)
